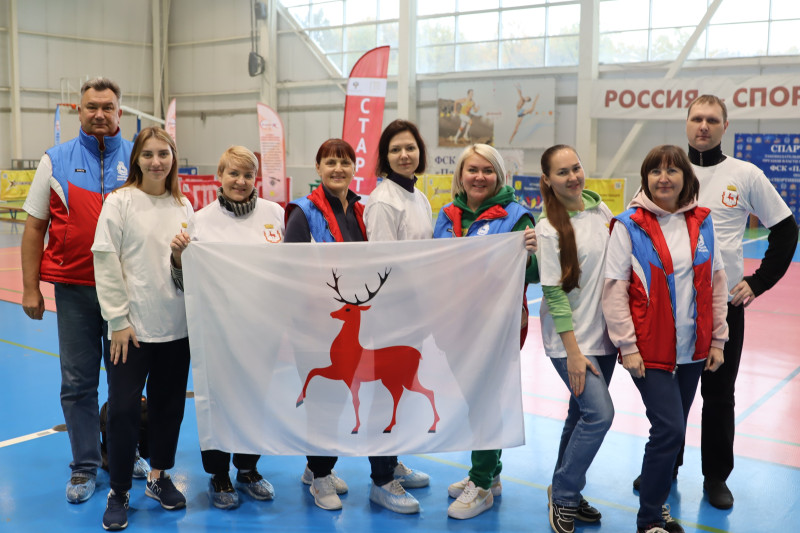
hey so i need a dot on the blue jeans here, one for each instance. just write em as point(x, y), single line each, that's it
point(588, 420)
point(667, 399)
point(82, 345)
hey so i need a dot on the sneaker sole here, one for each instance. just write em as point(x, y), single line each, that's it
point(472, 512)
point(115, 527)
point(149, 493)
point(79, 500)
point(223, 506)
point(398, 510)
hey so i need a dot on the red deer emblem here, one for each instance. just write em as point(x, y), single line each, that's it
point(396, 366)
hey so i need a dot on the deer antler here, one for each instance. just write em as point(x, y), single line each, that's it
point(370, 294)
point(335, 287)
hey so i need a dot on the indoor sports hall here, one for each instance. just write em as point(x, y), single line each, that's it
point(612, 78)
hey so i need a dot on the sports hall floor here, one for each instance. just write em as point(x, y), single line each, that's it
point(766, 482)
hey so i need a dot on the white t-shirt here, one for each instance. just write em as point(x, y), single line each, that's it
point(131, 264)
point(214, 223)
point(676, 235)
point(591, 235)
point(394, 214)
point(37, 202)
point(732, 190)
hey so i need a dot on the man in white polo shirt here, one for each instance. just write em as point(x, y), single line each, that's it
point(732, 189)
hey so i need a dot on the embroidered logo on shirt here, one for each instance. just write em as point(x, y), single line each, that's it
point(122, 171)
point(484, 230)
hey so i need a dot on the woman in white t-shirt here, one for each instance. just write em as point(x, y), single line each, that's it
point(572, 234)
point(396, 209)
point(146, 320)
point(665, 302)
point(240, 216)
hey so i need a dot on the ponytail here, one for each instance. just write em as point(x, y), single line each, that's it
point(558, 217)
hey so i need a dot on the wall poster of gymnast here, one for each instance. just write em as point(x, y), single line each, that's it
point(511, 113)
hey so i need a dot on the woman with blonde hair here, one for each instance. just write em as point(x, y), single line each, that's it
point(238, 215)
point(483, 204)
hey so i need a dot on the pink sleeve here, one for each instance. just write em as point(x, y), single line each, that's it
point(719, 333)
point(617, 312)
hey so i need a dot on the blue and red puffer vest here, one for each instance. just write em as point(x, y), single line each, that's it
point(321, 219)
point(84, 175)
point(496, 219)
point(652, 298)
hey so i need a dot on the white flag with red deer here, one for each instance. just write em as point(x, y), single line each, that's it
point(380, 348)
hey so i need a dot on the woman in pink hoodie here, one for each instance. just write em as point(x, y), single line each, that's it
point(664, 302)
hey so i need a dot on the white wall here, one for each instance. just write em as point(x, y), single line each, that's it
point(64, 55)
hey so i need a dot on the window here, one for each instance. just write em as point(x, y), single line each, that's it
point(345, 29)
point(464, 35)
point(656, 30)
point(468, 35)
point(452, 35)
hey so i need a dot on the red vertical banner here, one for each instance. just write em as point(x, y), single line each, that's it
point(363, 114)
point(170, 123)
point(273, 154)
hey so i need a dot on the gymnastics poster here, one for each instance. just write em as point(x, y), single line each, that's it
point(511, 114)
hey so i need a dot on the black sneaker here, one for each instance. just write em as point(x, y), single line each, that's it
point(562, 518)
point(587, 513)
point(116, 515)
point(670, 524)
point(163, 490)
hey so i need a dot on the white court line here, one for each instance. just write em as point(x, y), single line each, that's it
point(754, 240)
point(24, 438)
point(536, 301)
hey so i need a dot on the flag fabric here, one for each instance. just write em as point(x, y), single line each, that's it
point(363, 115)
point(432, 323)
point(273, 154)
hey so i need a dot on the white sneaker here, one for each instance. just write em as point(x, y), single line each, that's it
point(410, 479)
point(472, 502)
point(455, 490)
point(338, 483)
point(394, 497)
point(325, 494)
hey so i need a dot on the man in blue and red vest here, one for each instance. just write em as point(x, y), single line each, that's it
point(65, 198)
